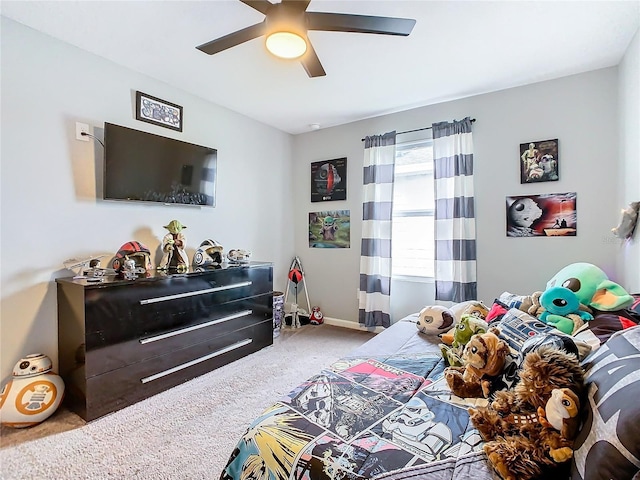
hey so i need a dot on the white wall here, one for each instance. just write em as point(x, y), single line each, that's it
point(581, 111)
point(629, 138)
point(50, 210)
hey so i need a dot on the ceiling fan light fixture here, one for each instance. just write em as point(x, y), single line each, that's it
point(285, 44)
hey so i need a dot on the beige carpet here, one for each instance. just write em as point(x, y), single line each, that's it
point(187, 432)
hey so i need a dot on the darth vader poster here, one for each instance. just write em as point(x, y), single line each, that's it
point(329, 180)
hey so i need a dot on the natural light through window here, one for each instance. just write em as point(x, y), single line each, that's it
point(412, 247)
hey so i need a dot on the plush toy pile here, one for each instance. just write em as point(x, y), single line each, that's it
point(531, 428)
point(533, 387)
point(573, 297)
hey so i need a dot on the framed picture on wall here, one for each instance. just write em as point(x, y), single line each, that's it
point(329, 180)
point(158, 112)
point(539, 161)
point(546, 215)
point(330, 229)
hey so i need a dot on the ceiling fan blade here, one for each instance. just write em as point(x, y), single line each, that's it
point(344, 22)
point(311, 62)
point(233, 39)
point(300, 5)
point(260, 5)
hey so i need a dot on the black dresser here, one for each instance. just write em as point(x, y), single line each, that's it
point(120, 341)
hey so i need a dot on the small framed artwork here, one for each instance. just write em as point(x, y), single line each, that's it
point(546, 215)
point(330, 229)
point(329, 180)
point(539, 161)
point(158, 112)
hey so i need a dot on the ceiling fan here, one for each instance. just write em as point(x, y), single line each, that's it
point(286, 25)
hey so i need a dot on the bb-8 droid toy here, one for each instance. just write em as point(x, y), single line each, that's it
point(33, 394)
point(316, 316)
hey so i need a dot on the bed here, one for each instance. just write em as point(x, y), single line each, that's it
point(384, 411)
point(383, 408)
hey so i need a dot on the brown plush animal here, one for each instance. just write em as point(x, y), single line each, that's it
point(483, 357)
point(534, 454)
point(561, 412)
point(542, 371)
point(520, 425)
point(545, 441)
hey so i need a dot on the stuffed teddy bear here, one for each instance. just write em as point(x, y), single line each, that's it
point(561, 306)
point(455, 340)
point(542, 371)
point(435, 319)
point(483, 359)
point(544, 442)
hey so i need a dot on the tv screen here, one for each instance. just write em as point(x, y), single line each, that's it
point(140, 166)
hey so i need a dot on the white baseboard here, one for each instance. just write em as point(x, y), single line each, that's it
point(338, 322)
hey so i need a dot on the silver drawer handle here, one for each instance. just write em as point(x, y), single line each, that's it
point(147, 301)
point(244, 313)
point(164, 373)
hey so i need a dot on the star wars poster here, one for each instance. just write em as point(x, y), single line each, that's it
point(539, 161)
point(330, 229)
point(547, 215)
point(329, 180)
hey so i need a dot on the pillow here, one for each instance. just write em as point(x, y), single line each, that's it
point(605, 324)
point(515, 301)
point(517, 326)
point(633, 310)
point(608, 443)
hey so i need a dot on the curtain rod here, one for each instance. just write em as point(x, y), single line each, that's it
point(416, 130)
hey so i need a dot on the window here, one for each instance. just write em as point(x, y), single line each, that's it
point(412, 251)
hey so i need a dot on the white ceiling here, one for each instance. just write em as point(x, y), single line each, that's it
point(457, 49)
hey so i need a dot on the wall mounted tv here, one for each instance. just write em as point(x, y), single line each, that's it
point(140, 166)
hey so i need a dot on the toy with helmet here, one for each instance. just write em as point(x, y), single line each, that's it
point(33, 394)
point(135, 251)
point(209, 253)
point(237, 256)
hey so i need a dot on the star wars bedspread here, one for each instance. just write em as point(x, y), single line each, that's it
point(384, 411)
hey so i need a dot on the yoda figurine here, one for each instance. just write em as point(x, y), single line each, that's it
point(173, 248)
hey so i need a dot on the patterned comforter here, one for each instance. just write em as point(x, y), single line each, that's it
point(383, 412)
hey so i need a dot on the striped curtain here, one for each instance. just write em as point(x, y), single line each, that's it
point(375, 251)
point(455, 223)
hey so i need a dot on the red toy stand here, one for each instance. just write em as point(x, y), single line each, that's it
point(296, 276)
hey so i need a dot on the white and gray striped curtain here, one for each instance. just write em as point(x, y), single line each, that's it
point(375, 251)
point(455, 223)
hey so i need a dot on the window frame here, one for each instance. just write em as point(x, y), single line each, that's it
point(430, 212)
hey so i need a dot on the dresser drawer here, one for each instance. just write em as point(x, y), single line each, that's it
point(222, 320)
point(150, 308)
point(116, 389)
point(121, 341)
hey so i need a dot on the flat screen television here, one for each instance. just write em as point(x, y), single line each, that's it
point(144, 167)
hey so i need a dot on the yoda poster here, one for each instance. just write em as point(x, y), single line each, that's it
point(330, 229)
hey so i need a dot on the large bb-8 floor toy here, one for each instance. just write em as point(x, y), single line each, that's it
point(33, 394)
